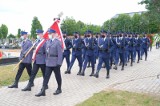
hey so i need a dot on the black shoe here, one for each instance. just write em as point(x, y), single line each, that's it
point(107, 77)
point(41, 93)
point(67, 72)
point(122, 68)
point(82, 74)
point(115, 67)
point(131, 64)
point(57, 92)
point(28, 87)
point(137, 61)
point(126, 64)
point(96, 75)
point(79, 73)
point(15, 85)
point(92, 74)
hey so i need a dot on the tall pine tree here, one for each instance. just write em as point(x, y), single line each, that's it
point(35, 25)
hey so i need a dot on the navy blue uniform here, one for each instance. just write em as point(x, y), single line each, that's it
point(66, 53)
point(90, 44)
point(105, 48)
point(77, 44)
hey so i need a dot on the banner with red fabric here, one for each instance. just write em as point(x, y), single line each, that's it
point(56, 27)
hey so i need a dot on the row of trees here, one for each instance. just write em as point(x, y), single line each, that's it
point(70, 25)
point(137, 23)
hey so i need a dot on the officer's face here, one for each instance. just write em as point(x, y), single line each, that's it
point(40, 35)
point(25, 36)
point(64, 35)
point(54, 35)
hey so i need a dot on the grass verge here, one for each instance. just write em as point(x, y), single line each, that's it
point(120, 98)
point(7, 76)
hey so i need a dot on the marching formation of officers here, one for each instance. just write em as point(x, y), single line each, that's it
point(110, 49)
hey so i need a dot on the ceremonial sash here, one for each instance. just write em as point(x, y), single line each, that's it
point(37, 49)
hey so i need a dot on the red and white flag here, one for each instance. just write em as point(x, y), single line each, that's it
point(56, 27)
point(37, 49)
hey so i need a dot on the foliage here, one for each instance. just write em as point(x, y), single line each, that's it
point(70, 25)
point(19, 32)
point(153, 7)
point(3, 31)
point(35, 25)
point(11, 36)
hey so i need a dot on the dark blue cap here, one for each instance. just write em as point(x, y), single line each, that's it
point(75, 33)
point(103, 31)
point(23, 33)
point(51, 30)
point(89, 32)
point(39, 31)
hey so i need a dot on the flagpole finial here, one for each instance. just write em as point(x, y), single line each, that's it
point(59, 16)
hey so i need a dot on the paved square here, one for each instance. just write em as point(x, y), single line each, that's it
point(138, 78)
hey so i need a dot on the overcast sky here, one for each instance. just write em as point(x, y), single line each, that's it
point(19, 13)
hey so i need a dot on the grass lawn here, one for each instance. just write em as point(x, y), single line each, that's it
point(120, 98)
point(7, 75)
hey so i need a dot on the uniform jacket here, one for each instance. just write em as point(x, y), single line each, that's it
point(25, 46)
point(68, 46)
point(77, 46)
point(41, 54)
point(54, 53)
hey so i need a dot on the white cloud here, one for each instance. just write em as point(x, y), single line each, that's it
point(19, 13)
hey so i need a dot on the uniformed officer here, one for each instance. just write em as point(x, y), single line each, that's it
point(67, 52)
point(132, 44)
point(90, 44)
point(77, 44)
point(138, 46)
point(105, 48)
point(145, 45)
point(54, 54)
point(84, 48)
point(96, 48)
point(121, 43)
point(26, 63)
point(38, 58)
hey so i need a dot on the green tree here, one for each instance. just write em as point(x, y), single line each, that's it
point(11, 36)
point(19, 33)
point(69, 25)
point(3, 31)
point(136, 23)
point(153, 7)
point(35, 25)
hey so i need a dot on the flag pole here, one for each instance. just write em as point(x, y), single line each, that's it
point(24, 56)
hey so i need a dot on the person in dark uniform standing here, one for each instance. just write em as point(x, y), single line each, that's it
point(67, 52)
point(77, 44)
point(54, 55)
point(90, 44)
point(38, 58)
point(26, 63)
